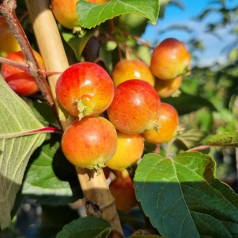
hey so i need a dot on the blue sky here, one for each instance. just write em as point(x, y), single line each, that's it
point(192, 8)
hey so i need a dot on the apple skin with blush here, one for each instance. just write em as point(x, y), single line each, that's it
point(21, 82)
point(85, 89)
point(135, 107)
point(129, 150)
point(166, 88)
point(131, 69)
point(90, 142)
point(170, 59)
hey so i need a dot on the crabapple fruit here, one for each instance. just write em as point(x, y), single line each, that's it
point(131, 69)
point(123, 191)
point(135, 107)
point(170, 59)
point(129, 151)
point(84, 89)
point(90, 142)
point(168, 120)
point(166, 88)
point(21, 82)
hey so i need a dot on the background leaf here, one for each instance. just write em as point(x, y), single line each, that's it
point(145, 236)
point(42, 112)
point(91, 15)
point(183, 107)
point(50, 175)
point(86, 227)
point(16, 116)
point(77, 42)
point(225, 139)
point(183, 193)
point(189, 138)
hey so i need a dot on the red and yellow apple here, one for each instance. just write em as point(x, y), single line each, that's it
point(170, 59)
point(90, 142)
point(166, 88)
point(123, 191)
point(85, 89)
point(168, 120)
point(129, 151)
point(135, 107)
point(21, 82)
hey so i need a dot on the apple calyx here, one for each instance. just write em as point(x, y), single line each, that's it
point(82, 109)
point(79, 30)
point(98, 167)
point(156, 127)
point(153, 126)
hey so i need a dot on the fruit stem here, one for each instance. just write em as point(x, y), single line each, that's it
point(157, 148)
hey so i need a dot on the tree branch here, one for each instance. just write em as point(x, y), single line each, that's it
point(7, 9)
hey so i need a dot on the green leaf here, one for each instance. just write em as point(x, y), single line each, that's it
point(183, 107)
point(86, 227)
point(184, 194)
point(225, 139)
point(49, 176)
point(43, 112)
point(77, 42)
point(91, 15)
point(16, 116)
point(134, 24)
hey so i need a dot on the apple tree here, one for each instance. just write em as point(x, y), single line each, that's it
point(116, 139)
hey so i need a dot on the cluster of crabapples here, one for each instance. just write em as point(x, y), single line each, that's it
point(115, 114)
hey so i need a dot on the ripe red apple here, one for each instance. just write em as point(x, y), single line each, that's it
point(85, 89)
point(8, 42)
point(123, 191)
point(90, 142)
point(132, 69)
point(168, 120)
point(170, 59)
point(129, 151)
point(166, 88)
point(65, 12)
point(135, 107)
point(21, 82)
